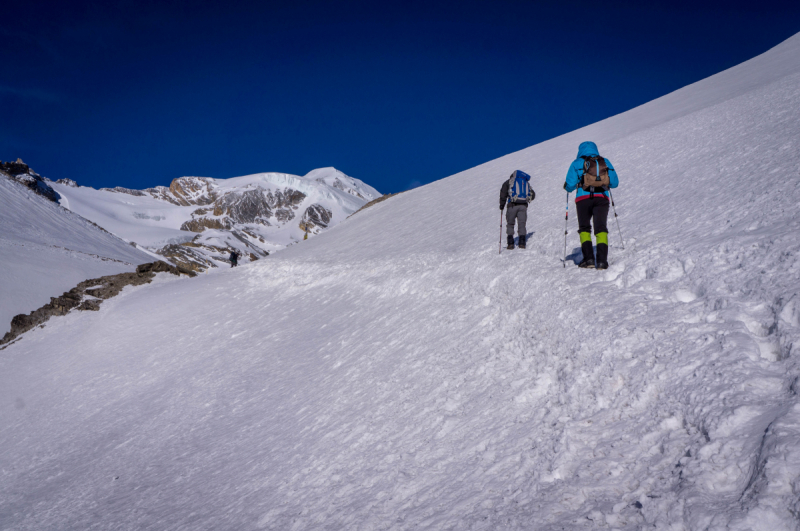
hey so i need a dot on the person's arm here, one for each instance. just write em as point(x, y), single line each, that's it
point(531, 194)
point(613, 180)
point(503, 195)
point(571, 182)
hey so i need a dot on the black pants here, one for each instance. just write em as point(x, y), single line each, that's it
point(593, 211)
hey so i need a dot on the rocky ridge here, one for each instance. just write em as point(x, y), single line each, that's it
point(88, 295)
point(241, 213)
point(21, 173)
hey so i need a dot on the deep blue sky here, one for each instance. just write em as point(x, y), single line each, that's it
point(136, 93)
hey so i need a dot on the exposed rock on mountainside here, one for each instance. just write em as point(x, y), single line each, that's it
point(20, 172)
point(284, 214)
point(185, 256)
point(198, 221)
point(192, 191)
point(201, 224)
point(376, 201)
point(88, 295)
point(239, 208)
point(315, 218)
point(119, 189)
point(183, 191)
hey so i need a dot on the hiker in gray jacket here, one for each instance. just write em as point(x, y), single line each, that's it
point(516, 193)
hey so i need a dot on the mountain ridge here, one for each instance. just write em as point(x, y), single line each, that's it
point(253, 214)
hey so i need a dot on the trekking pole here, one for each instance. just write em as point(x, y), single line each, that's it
point(500, 245)
point(566, 218)
point(615, 217)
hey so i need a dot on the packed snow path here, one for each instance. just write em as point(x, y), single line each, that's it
point(398, 373)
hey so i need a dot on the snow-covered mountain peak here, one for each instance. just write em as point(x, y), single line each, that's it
point(197, 221)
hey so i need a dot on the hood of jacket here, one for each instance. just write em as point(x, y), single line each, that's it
point(588, 149)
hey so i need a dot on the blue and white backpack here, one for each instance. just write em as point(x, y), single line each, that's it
point(518, 187)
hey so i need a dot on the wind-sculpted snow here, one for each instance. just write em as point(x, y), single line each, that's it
point(396, 372)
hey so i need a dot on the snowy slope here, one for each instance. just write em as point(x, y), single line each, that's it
point(398, 373)
point(145, 220)
point(46, 250)
point(255, 214)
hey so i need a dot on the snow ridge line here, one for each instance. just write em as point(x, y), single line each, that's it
point(103, 258)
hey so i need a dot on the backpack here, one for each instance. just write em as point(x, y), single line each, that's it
point(595, 174)
point(518, 187)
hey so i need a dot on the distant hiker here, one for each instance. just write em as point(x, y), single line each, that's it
point(516, 193)
point(592, 175)
point(234, 258)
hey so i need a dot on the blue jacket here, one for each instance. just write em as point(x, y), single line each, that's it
point(575, 171)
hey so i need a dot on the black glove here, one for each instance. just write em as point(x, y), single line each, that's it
point(565, 185)
point(502, 206)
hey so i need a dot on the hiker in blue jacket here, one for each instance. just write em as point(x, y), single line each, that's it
point(516, 193)
point(592, 175)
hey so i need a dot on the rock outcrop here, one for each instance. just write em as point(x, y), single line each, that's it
point(88, 295)
point(192, 191)
point(20, 172)
point(240, 208)
point(251, 206)
point(201, 224)
point(119, 189)
point(188, 256)
point(315, 218)
point(69, 182)
point(375, 202)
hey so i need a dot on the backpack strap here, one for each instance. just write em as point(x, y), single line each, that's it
point(511, 182)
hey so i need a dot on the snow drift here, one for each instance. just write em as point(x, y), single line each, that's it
point(398, 373)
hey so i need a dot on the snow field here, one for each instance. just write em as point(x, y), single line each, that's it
point(146, 220)
point(46, 250)
point(397, 372)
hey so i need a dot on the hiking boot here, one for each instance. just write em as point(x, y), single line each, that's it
point(510, 241)
point(602, 253)
point(587, 262)
point(522, 242)
point(602, 265)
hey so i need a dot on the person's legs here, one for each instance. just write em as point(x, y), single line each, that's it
point(514, 214)
point(600, 218)
point(522, 229)
point(510, 218)
point(584, 208)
